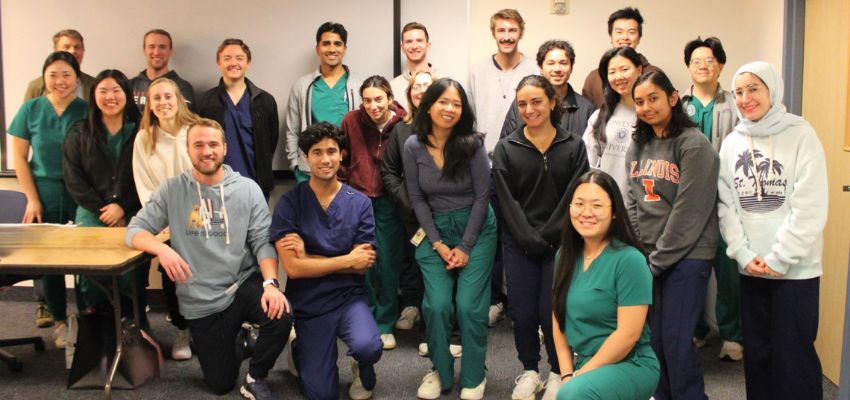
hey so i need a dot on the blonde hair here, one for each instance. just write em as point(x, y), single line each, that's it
point(508, 14)
point(150, 122)
point(409, 117)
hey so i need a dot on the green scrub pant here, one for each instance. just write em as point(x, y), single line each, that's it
point(382, 278)
point(635, 377)
point(57, 208)
point(472, 299)
point(728, 302)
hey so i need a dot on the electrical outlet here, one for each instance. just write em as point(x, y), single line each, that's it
point(560, 7)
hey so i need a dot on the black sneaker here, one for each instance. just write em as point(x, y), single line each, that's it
point(257, 390)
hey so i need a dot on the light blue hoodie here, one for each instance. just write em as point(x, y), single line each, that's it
point(773, 188)
point(220, 231)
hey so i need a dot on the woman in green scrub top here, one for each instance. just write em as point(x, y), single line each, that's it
point(98, 165)
point(601, 295)
point(40, 125)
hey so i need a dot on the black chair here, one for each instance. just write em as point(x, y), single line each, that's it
point(12, 212)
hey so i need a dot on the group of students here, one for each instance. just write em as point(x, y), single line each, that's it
point(607, 223)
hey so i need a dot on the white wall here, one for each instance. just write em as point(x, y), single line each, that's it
point(750, 30)
point(281, 35)
point(448, 26)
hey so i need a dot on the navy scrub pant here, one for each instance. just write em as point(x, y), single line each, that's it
point(679, 301)
point(315, 351)
point(780, 321)
point(529, 282)
point(214, 337)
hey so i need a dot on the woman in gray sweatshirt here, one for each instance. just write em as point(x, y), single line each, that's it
point(672, 172)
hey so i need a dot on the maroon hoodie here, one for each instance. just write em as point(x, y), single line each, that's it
point(361, 163)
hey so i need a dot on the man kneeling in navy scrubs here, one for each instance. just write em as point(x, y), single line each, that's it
point(324, 233)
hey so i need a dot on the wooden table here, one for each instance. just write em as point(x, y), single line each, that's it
point(52, 249)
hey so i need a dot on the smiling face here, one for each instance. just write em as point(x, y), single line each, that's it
point(534, 106)
point(71, 45)
point(324, 158)
point(377, 104)
point(420, 85)
point(507, 34)
point(415, 45)
point(653, 106)
point(751, 96)
point(110, 98)
point(445, 113)
point(704, 68)
point(622, 74)
point(60, 80)
point(625, 32)
point(590, 211)
point(163, 99)
point(157, 49)
point(206, 149)
point(557, 67)
point(330, 49)
point(233, 63)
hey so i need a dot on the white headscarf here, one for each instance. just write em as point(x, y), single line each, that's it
point(776, 120)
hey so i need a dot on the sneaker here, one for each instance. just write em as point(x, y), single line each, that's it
point(389, 341)
point(290, 359)
point(497, 312)
point(455, 349)
point(167, 317)
point(43, 317)
point(430, 387)
point(60, 335)
point(71, 340)
point(552, 384)
point(257, 390)
point(408, 317)
point(181, 349)
point(699, 343)
point(476, 393)
point(357, 391)
point(731, 351)
point(246, 339)
point(527, 386)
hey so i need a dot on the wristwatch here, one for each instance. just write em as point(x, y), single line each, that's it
point(272, 281)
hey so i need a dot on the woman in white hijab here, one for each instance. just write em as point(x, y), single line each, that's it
point(773, 205)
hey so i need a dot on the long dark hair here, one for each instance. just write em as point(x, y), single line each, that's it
point(679, 120)
point(543, 83)
point(572, 244)
point(611, 96)
point(94, 127)
point(462, 141)
point(62, 56)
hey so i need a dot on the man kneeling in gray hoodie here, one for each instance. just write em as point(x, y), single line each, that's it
point(221, 259)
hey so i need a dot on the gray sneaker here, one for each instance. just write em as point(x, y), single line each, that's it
point(257, 390)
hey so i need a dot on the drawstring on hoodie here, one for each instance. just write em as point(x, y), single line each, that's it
point(206, 213)
point(755, 166)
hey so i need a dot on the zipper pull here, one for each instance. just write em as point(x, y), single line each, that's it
point(545, 163)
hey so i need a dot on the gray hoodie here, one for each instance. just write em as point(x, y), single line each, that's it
point(220, 231)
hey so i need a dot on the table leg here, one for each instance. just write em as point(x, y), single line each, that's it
point(119, 342)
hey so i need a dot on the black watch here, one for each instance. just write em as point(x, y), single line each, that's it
point(274, 282)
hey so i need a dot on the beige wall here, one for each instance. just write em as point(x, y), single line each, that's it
point(750, 30)
point(826, 77)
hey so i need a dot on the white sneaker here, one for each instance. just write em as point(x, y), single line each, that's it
point(552, 384)
point(497, 312)
point(456, 350)
point(389, 341)
point(527, 386)
point(357, 391)
point(476, 393)
point(423, 349)
point(731, 351)
point(181, 349)
point(699, 343)
point(408, 317)
point(430, 387)
point(60, 334)
point(290, 359)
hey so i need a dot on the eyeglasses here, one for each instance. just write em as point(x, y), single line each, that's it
point(420, 87)
point(595, 208)
point(750, 89)
point(708, 62)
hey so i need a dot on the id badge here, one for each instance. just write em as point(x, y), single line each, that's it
point(418, 237)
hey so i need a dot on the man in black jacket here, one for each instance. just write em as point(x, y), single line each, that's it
point(247, 113)
point(157, 47)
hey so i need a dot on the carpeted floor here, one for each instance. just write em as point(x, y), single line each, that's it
point(399, 371)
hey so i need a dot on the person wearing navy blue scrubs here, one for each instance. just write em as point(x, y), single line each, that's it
point(324, 233)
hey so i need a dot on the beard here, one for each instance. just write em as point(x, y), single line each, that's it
point(208, 170)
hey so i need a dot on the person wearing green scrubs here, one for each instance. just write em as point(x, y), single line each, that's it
point(447, 173)
point(40, 125)
point(601, 296)
point(98, 169)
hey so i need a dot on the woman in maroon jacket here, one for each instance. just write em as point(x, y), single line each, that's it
point(367, 130)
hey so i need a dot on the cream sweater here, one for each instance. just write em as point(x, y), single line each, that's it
point(169, 159)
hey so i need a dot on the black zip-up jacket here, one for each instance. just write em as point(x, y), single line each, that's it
point(392, 172)
point(531, 187)
point(93, 178)
point(264, 119)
